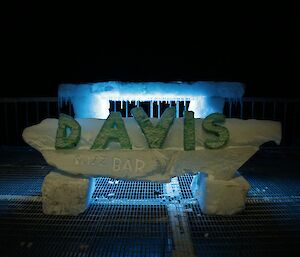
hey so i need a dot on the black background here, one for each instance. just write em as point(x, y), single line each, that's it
point(42, 46)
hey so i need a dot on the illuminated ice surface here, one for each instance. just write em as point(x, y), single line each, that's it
point(91, 100)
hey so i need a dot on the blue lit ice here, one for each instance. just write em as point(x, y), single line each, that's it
point(91, 100)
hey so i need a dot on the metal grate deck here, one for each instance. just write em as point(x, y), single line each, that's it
point(184, 184)
point(263, 185)
point(121, 189)
point(141, 224)
point(22, 180)
point(265, 228)
point(103, 230)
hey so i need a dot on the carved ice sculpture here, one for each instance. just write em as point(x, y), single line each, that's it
point(144, 163)
point(148, 149)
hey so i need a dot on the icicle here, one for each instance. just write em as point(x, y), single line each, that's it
point(126, 109)
point(90, 99)
point(177, 109)
point(158, 109)
point(151, 109)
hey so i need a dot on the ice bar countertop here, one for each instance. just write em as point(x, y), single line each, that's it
point(91, 100)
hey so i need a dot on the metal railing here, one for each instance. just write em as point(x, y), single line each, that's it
point(19, 113)
point(278, 109)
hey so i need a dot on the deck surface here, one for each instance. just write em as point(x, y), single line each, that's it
point(131, 218)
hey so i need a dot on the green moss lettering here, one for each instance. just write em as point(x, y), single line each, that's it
point(113, 129)
point(155, 135)
point(210, 126)
point(65, 140)
point(189, 131)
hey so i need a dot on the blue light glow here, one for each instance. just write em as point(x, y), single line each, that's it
point(92, 100)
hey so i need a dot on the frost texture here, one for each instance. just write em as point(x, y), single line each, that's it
point(91, 100)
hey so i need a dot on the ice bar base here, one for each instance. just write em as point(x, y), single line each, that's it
point(220, 197)
point(66, 195)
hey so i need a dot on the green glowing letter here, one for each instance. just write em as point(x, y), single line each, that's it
point(68, 132)
point(155, 135)
point(209, 125)
point(189, 131)
point(113, 129)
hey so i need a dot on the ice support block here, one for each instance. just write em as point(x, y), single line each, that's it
point(220, 197)
point(64, 194)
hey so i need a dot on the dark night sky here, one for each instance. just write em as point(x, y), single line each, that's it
point(42, 48)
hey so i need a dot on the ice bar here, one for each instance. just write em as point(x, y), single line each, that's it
point(92, 100)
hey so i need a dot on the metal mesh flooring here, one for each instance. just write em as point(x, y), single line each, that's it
point(121, 189)
point(139, 224)
point(184, 184)
point(22, 180)
point(265, 228)
point(262, 185)
point(103, 230)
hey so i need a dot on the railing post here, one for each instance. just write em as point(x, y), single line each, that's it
point(252, 109)
point(6, 123)
point(242, 109)
point(37, 111)
point(58, 109)
point(295, 116)
point(17, 122)
point(26, 114)
point(284, 128)
point(274, 110)
point(48, 109)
